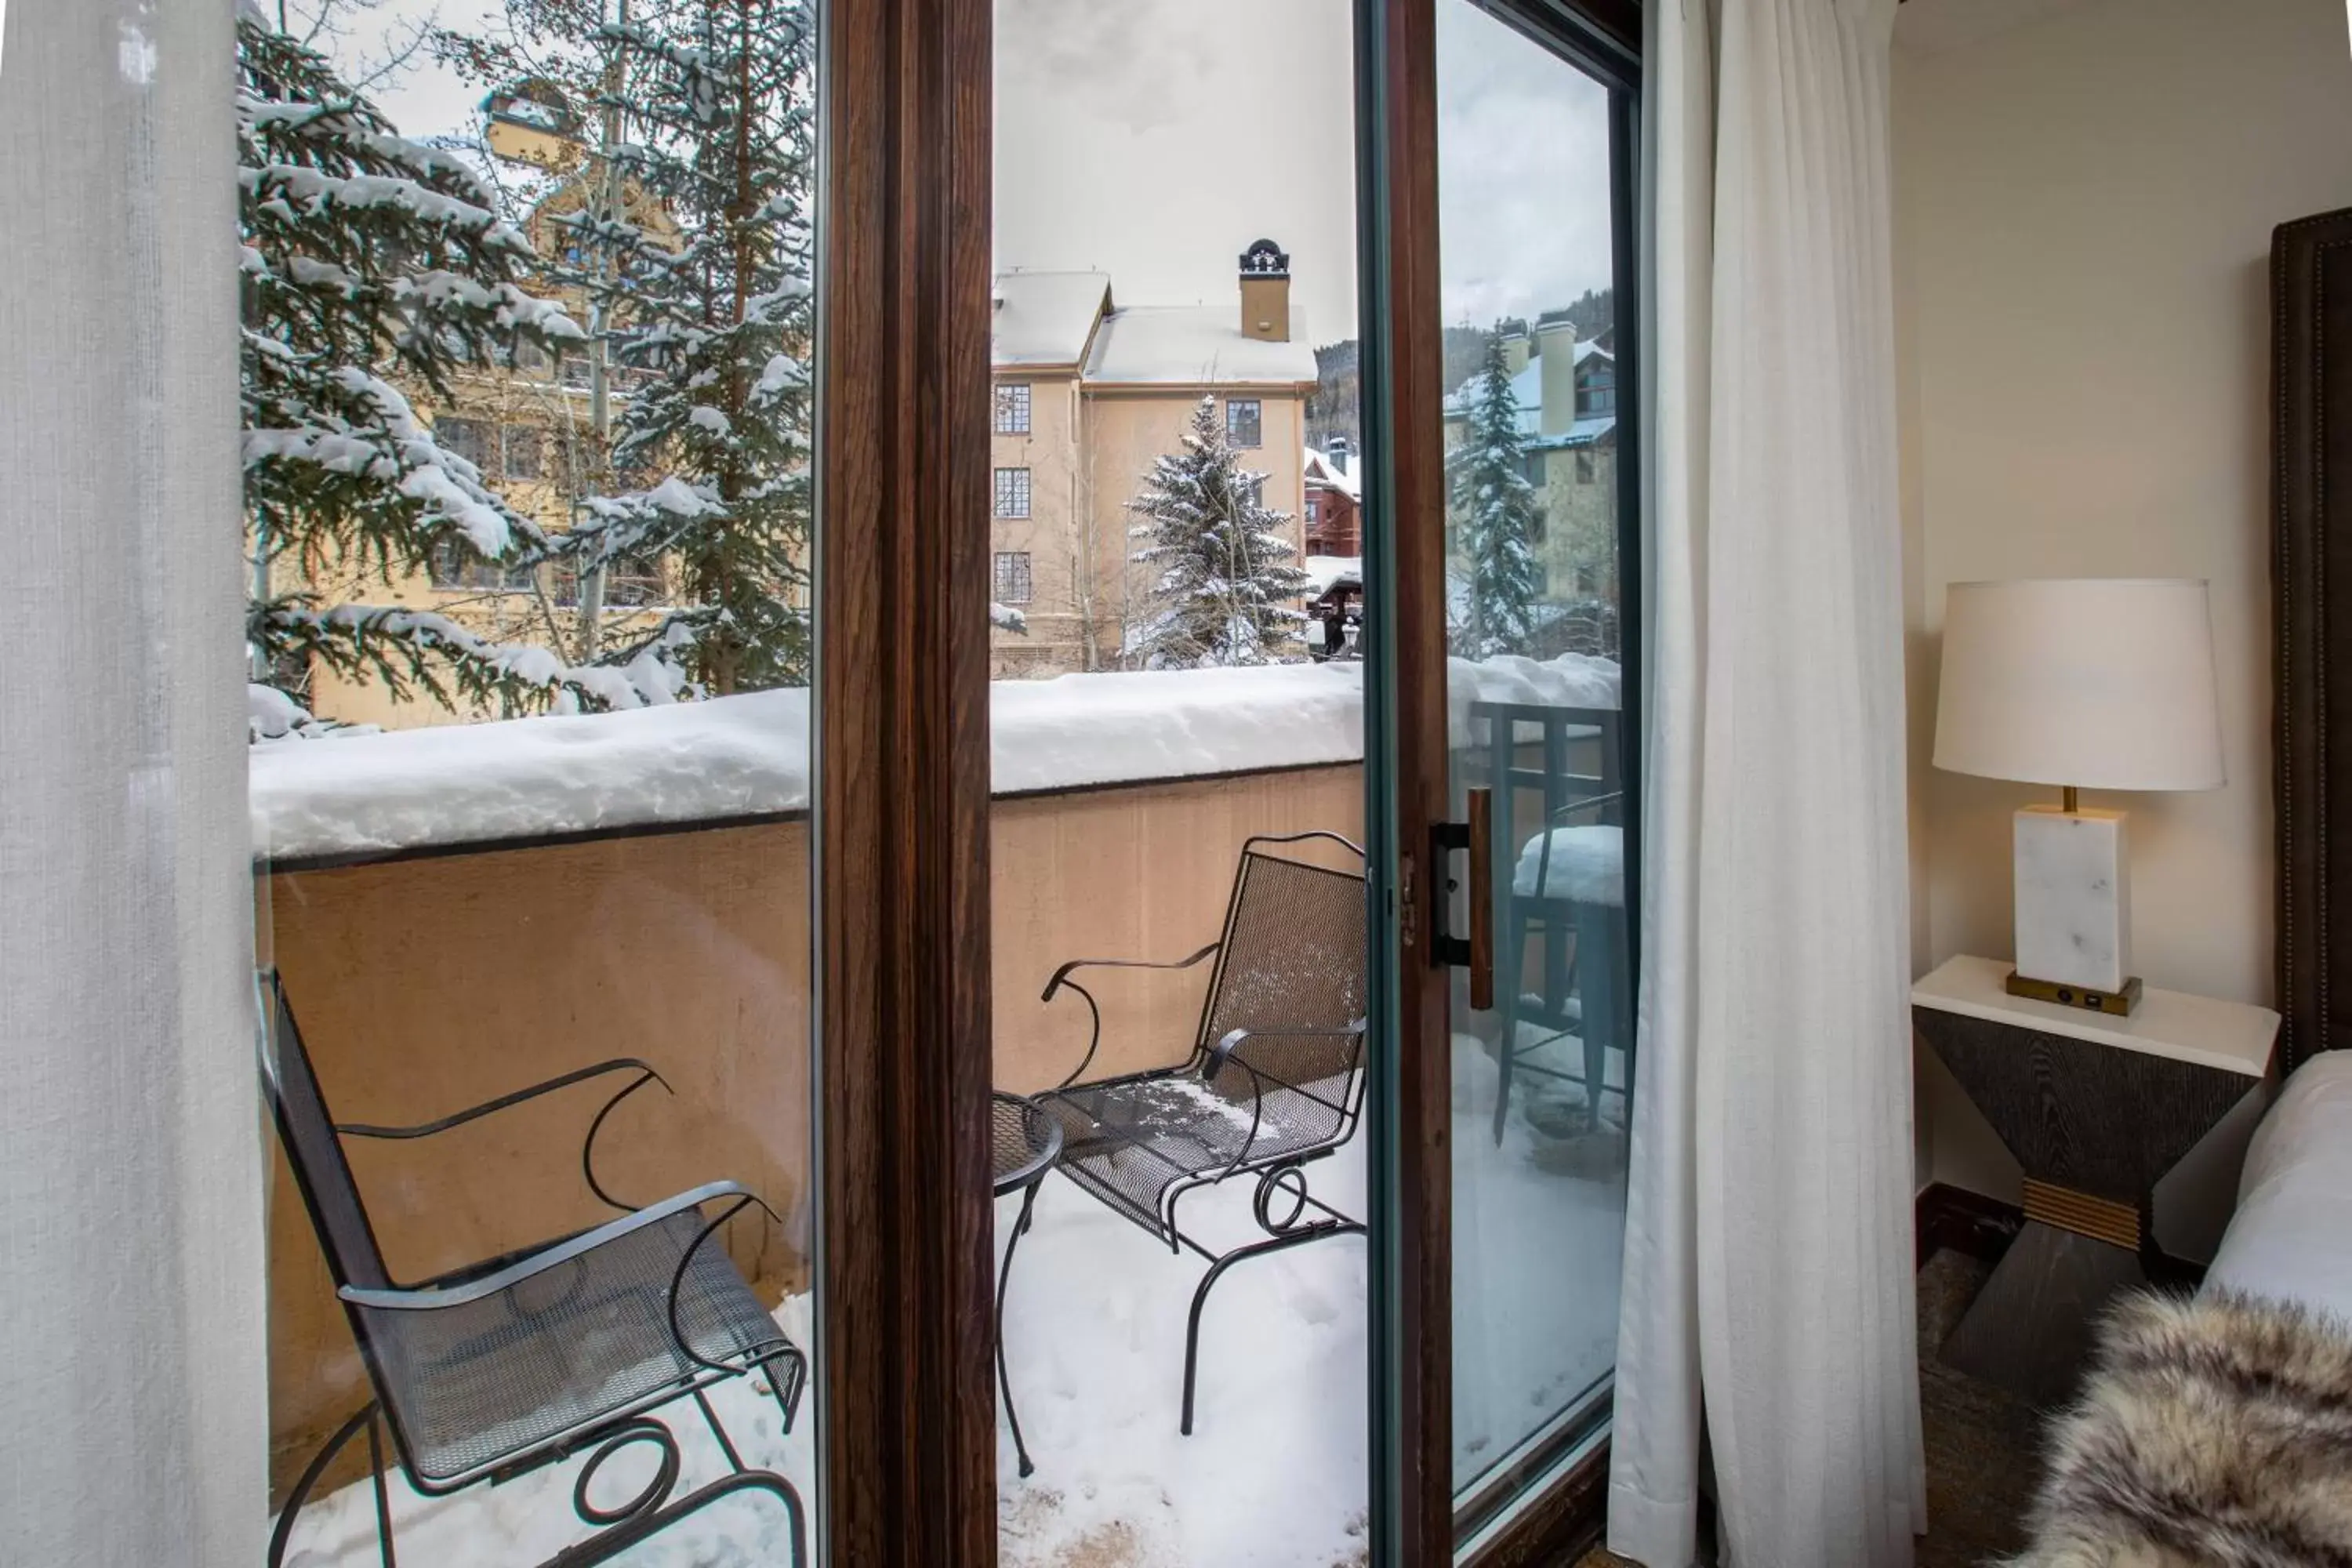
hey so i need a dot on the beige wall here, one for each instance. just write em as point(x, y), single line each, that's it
point(1088, 451)
point(1127, 430)
point(427, 985)
point(2085, 208)
point(1056, 640)
point(1581, 519)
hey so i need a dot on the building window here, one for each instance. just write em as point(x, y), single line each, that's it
point(1584, 467)
point(1596, 392)
point(1013, 493)
point(631, 582)
point(1011, 577)
point(1535, 469)
point(525, 452)
point(1245, 421)
point(1012, 408)
point(467, 438)
point(454, 565)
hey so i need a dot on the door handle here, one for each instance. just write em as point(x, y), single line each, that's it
point(1475, 952)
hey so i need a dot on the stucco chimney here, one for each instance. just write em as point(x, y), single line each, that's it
point(1339, 453)
point(1516, 350)
point(1555, 346)
point(1265, 292)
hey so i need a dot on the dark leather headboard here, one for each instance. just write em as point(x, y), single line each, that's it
point(2310, 334)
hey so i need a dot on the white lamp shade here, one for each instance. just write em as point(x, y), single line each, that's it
point(2102, 683)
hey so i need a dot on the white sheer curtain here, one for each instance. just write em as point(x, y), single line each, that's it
point(1768, 1252)
point(130, 1178)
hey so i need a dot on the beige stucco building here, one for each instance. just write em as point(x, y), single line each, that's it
point(1088, 395)
point(526, 426)
point(1567, 398)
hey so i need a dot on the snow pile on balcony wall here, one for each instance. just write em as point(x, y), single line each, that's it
point(748, 755)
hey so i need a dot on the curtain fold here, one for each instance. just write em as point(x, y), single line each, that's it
point(130, 1173)
point(1768, 1268)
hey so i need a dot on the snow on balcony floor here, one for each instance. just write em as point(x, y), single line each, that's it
point(1273, 1476)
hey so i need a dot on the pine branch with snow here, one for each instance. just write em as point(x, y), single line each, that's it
point(1495, 516)
point(369, 263)
point(714, 307)
point(1224, 584)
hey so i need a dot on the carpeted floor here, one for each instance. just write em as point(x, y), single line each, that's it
point(1983, 1443)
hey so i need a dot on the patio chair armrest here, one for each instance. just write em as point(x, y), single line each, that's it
point(1062, 981)
point(433, 1299)
point(473, 1113)
point(1222, 1051)
point(1062, 976)
point(1586, 802)
point(645, 1075)
point(1221, 1056)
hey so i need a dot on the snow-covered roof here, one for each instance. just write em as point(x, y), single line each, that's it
point(1325, 573)
point(1189, 345)
point(733, 757)
point(1322, 470)
point(1046, 317)
point(1583, 432)
point(1526, 388)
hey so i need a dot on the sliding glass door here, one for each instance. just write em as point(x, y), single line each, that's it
point(1542, 1040)
point(1505, 744)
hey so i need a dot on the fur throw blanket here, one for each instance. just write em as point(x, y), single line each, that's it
point(2214, 1431)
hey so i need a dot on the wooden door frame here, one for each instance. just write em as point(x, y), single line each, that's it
point(907, 1421)
point(903, 1070)
point(1401, 377)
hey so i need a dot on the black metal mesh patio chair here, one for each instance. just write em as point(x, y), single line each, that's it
point(1275, 1080)
point(524, 1359)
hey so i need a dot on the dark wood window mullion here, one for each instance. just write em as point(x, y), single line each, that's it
point(905, 1284)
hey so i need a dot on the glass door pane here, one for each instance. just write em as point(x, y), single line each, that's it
point(1174, 585)
point(1539, 754)
point(530, 517)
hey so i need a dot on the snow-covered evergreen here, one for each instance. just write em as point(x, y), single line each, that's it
point(1495, 514)
point(715, 306)
point(1225, 576)
point(369, 262)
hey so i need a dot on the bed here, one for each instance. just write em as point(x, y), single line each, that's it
point(2217, 1429)
point(2290, 1238)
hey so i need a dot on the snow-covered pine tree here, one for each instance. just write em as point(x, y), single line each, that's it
point(1495, 515)
point(368, 261)
point(718, 317)
point(1225, 574)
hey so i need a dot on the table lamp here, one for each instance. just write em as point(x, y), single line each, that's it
point(2081, 683)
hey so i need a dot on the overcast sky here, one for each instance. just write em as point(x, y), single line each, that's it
point(1155, 139)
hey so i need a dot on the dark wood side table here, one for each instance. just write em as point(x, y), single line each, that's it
point(2096, 1109)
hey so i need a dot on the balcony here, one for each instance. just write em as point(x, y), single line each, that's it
point(459, 911)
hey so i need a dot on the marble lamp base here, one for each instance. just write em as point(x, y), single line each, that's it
point(2073, 899)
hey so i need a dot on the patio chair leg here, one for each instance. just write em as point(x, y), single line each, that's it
point(383, 1497)
point(620, 1538)
point(1004, 1379)
point(283, 1532)
point(1217, 1270)
point(1513, 949)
